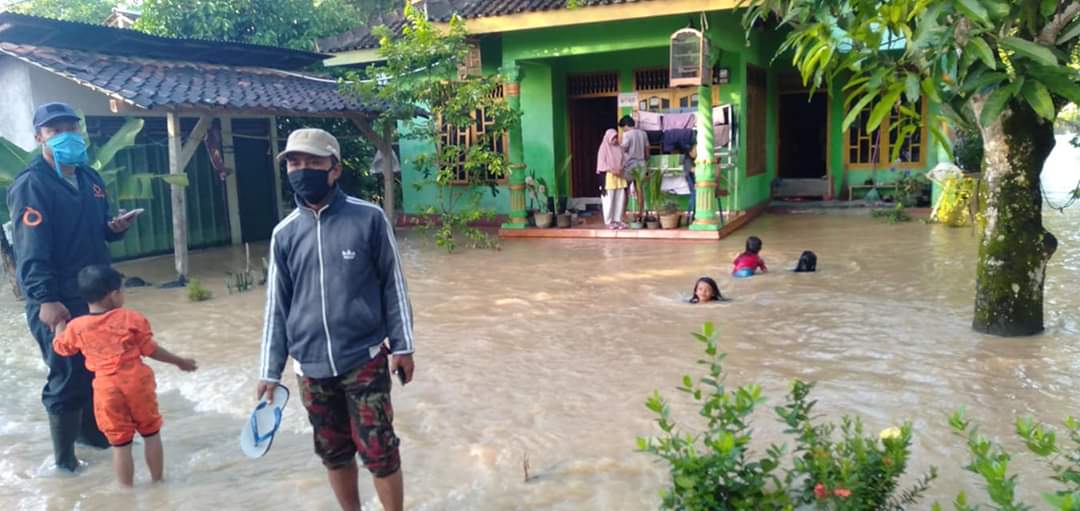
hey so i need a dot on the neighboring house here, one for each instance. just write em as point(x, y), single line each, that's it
point(227, 93)
point(574, 66)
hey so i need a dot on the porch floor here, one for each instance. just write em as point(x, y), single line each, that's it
point(595, 228)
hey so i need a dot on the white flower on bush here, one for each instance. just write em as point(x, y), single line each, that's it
point(892, 433)
point(542, 189)
point(529, 180)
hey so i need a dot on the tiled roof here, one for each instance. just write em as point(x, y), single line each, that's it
point(360, 38)
point(155, 83)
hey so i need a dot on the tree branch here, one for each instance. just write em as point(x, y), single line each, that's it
point(369, 133)
point(1052, 30)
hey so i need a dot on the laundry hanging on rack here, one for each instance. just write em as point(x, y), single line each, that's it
point(649, 121)
point(678, 139)
point(678, 121)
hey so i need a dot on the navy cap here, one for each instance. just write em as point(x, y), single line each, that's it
point(52, 111)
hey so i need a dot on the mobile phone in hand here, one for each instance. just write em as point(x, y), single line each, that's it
point(401, 375)
point(131, 214)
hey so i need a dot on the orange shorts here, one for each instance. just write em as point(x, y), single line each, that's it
point(126, 402)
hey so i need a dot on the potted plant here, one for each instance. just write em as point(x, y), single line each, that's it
point(909, 189)
point(537, 189)
point(668, 209)
point(652, 222)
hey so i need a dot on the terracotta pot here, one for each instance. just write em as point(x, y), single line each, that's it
point(670, 220)
point(543, 220)
point(563, 220)
point(652, 224)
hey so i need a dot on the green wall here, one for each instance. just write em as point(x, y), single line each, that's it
point(547, 56)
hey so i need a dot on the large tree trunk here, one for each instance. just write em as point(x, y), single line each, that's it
point(1015, 247)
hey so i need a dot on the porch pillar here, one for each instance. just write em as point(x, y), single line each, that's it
point(705, 168)
point(519, 217)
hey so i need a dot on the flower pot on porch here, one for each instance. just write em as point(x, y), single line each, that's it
point(563, 220)
point(670, 220)
point(652, 224)
point(636, 225)
point(543, 220)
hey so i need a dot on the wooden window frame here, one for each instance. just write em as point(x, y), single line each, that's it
point(604, 94)
point(757, 120)
point(471, 136)
point(659, 70)
point(885, 150)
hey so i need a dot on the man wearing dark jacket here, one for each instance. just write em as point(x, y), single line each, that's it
point(61, 224)
point(337, 304)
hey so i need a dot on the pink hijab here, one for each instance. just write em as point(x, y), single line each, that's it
point(610, 156)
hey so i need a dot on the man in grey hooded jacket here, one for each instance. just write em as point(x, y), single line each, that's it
point(337, 304)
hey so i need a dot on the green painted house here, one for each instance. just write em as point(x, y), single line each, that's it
point(577, 71)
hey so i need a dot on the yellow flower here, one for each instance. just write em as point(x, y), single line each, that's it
point(889, 434)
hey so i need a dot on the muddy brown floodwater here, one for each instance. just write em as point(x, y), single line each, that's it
point(548, 349)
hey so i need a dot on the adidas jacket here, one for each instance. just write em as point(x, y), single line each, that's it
point(335, 290)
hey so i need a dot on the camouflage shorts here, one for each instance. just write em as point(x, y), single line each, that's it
point(352, 414)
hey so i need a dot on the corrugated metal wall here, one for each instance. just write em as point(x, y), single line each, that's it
point(152, 234)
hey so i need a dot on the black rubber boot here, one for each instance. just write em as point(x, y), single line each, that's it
point(64, 429)
point(89, 434)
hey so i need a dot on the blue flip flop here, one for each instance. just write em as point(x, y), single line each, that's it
point(258, 433)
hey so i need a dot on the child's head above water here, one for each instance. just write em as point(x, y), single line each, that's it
point(753, 244)
point(706, 290)
point(102, 286)
point(807, 262)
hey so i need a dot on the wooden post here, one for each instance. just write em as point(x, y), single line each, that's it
point(228, 149)
point(388, 170)
point(278, 194)
point(385, 144)
point(179, 156)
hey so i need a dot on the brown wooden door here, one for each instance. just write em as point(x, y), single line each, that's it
point(589, 119)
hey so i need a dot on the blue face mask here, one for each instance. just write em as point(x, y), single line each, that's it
point(68, 148)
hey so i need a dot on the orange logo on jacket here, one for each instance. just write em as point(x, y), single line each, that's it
point(98, 192)
point(32, 217)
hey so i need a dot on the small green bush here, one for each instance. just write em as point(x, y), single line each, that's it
point(717, 469)
point(196, 292)
point(895, 215)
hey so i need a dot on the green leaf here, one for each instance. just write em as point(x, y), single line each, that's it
point(999, 9)
point(911, 87)
point(1061, 81)
point(978, 46)
point(995, 104)
point(1030, 50)
point(856, 110)
point(13, 159)
point(888, 101)
point(944, 141)
point(1048, 8)
point(929, 90)
point(978, 81)
point(123, 139)
point(1038, 97)
point(180, 180)
point(1070, 32)
point(973, 10)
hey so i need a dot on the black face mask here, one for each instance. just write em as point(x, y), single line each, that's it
point(312, 185)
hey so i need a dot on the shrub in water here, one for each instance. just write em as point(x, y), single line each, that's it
point(196, 292)
point(716, 469)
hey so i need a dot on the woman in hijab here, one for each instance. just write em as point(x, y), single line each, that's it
point(609, 161)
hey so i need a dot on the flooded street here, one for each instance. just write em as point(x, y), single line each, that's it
point(548, 349)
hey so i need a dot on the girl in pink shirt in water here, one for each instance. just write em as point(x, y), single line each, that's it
point(748, 262)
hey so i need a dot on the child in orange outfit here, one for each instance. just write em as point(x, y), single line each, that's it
point(113, 340)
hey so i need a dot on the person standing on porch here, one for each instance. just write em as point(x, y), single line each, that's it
point(61, 222)
point(335, 296)
point(609, 161)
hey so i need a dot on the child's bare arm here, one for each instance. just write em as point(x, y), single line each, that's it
point(164, 355)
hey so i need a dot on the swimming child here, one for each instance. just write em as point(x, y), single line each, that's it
point(706, 290)
point(748, 262)
point(807, 262)
point(114, 340)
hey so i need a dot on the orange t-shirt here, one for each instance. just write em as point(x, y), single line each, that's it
point(108, 341)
